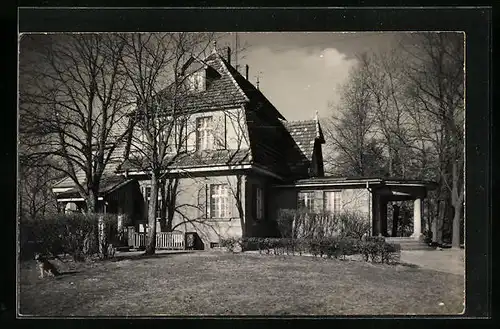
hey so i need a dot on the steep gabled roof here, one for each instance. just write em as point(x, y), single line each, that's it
point(305, 134)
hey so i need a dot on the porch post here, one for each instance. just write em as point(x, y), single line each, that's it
point(377, 227)
point(417, 219)
point(383, 217)
point(395, 220)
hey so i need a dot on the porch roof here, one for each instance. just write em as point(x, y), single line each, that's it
point(109, 184)
point(372, 182)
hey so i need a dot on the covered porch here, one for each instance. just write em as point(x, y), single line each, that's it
point(392, 191)
point(368, 196)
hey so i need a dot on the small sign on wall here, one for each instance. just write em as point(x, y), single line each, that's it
point(142, 229)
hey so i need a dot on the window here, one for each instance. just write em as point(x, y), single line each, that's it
point(197, 81)
point(204, 133)
point(219, 201)
point(306, 201)
point(332, 201)
point(259, 202)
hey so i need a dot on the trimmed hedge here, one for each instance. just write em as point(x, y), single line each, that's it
point(74, 234)
point(371, 248)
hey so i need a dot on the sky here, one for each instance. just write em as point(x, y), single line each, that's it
point(301, 72)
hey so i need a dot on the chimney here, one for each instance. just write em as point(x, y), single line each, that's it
point(229, 55)
point(246, 71)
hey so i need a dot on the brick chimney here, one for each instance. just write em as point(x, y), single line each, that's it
point(229, 55)
point(246, 71)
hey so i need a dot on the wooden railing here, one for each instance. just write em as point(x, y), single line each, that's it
point(164, 240)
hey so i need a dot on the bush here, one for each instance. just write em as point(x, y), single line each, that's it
point(354, 225)
point(300, 224)
point(73, 234)
point(371, 248)
point(230, 244)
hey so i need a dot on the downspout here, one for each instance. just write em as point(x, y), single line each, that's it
point(369, 207)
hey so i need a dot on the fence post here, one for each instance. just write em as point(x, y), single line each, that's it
point(101, 237)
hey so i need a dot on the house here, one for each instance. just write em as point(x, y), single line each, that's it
point(241, 162)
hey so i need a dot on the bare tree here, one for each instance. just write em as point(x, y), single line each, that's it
point(351, 129)
point(436, 73)
point(72, 106)
point(414, 97)
point(155, 66)
point(36, 198)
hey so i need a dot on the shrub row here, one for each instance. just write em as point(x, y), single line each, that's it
point(374, 249)
point(301, 224)
point(73, 234)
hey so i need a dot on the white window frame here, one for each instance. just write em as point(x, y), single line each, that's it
point(309, 197)
point(259, 202)
point(197, 81)
point(219, 201)
point(204, 133)
point(332, 201)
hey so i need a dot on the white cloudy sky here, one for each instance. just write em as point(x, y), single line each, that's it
point(300, 72)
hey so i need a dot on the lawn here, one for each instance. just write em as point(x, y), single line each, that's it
point(217, 283)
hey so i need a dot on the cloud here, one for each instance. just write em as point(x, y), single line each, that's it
point(299, 81)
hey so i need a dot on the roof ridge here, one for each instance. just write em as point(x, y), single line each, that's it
point(296, 121)
point(232, 77)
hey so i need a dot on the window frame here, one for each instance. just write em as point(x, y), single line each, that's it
point(207, 143)
point(196, 81)
point(337, 208)
point(311, 200)
point(219, 205)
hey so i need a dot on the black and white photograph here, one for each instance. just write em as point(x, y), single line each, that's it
point(241, 174)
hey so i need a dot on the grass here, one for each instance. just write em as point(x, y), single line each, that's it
point(216, 283)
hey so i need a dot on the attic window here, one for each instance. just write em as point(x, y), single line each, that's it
point(197, 81)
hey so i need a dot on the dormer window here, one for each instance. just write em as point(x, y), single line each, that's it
point(197, 81)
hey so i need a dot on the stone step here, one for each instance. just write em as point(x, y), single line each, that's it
point(409, 243)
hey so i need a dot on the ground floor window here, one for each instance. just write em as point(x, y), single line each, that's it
point(306, 201)
point(219, 201)
point(332, 201)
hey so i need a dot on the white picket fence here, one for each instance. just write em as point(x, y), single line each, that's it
point(164, 240)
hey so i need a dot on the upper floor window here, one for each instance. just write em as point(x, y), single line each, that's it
point(332, 201)
point(204, 133)
point(306, 201)
point(197, 81)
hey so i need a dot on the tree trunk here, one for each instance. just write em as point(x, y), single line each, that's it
point(163, 209)
point(457, 206)
point(239, 205)
point(170, 206)
point(153, 201)
point(91, 202)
